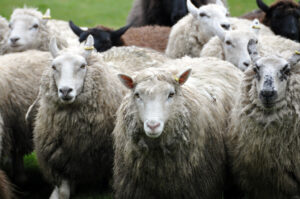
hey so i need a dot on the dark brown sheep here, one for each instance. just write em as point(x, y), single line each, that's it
point(155, 37)
point(282, 17)
point(160, 12)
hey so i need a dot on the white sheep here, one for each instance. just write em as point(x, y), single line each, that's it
point(232, 46)
point(263, 141)
point(188, 35)
point(168, 136)
point(19, 81)
point(4, 32)
point(29, 30)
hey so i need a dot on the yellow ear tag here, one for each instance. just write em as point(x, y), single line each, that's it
point(297, 52)
point(176, 78)
point(255, 27)
point(89, 48)
point(46, 17)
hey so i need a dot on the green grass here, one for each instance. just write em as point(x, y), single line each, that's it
point(110, 13)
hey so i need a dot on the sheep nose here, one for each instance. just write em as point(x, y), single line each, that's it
point(225, 26)
point(267, 94)
point(14, 39)
point(153, 125)
point(246, 63)
point(65, 91)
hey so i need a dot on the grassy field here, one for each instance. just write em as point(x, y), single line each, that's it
point(110, 13)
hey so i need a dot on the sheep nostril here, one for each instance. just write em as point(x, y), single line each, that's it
point(246, 64)
point(153, 125)
point(14, 39)
point(226, 26)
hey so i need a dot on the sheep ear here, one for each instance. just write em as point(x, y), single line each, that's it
point(53, 47)
point(47, 16)
point(75, 28)
point(255, 26)
point(83, 36)
point(252, 50)
point(219, 2)
point(183, 77)
point(126, 80)
point(294, 59)
point(120, 32)
point(191, 8)
point(89, 46)
point(262, 5)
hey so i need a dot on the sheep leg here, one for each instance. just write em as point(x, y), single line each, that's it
point(61, 192)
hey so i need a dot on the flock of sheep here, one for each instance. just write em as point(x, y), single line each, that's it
point(207, 108)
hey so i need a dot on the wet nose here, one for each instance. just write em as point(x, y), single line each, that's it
point(65, 91)
point(246, 63)
point(268, 94)
point(225, 26)
point(153, 125)
point(14, 39)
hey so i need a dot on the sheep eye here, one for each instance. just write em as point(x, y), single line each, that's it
point(227, 14)
point(203, 14)
point(82, 66)
point(171, 95)
point(9, 25)
point(228, 43)
point(137, 95)
point(286, 70)
point(256, 68)
point(35, 26)
point(53, 67)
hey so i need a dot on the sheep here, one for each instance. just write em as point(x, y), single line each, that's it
point(164, 13)
point(232, 46)
point(282, 17)
point(19, 82)
point(6, 190)
point(161, 148)
point(188, 36)
point(29, 30)
point(155, 37)
point(263, 138)
point(244, 24)
point(4, 31)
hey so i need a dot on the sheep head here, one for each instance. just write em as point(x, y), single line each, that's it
point(26, 25)
point(104, 38)
point(282, 17)
point(155, 96)
point(271, 76)
point(214, 17)
point(69, 70)
point(235, 45)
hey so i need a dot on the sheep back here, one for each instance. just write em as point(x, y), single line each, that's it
point(155, 37)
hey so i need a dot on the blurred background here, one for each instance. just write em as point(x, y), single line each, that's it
point(111, 13)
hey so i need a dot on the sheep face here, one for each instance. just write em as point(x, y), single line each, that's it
point(69, 71)
point(271, 79)
point(24, 32)
point(155, 99)
point(235, 48)
point(271, 76)
point(214, 17)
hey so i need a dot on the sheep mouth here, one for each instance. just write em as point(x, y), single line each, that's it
point(67, 99)
point(15, 45)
